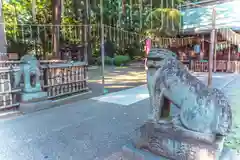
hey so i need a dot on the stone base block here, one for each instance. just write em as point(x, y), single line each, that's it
point(35, 106)
point(177, 143)
point(33, 97)
point(132, 153)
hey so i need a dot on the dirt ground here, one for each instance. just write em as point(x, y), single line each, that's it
point(116, 78)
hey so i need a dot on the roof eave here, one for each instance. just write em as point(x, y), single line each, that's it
point(194, 31)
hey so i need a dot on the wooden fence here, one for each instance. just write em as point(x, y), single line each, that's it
point(16, 63)
point(58, 79)
point(64, 79)
point(8, 91)
point(198, 66)
point(221, 66)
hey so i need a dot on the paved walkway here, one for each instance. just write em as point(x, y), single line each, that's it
point(85, 130)
point(116, 79)
point(233, 93)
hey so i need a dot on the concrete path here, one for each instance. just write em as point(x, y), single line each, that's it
point(85, 130)
point(131, 96)
point(233, 92)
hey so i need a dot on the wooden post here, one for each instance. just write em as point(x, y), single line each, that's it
point(212, 46)
point(215, 54)
point(229, 58)
point(203, 42)
point(237, 61)
point(202, 48)
point(102, 45)
point(3, 42)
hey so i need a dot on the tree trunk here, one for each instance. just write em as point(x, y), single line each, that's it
point(3, 43)
point(56, 21)
point(88, 52)
point(82, 16)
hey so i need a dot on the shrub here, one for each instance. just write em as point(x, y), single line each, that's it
point(121, 60)
point(107, 60)
point(134, 49)
point(109, 48)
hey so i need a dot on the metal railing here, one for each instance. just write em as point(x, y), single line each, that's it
point(58, 78)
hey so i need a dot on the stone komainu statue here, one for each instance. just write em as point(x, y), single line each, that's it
point(203, 118)
point(28, 78)
point(29, 74)
point(154, 61)
point(202, 109)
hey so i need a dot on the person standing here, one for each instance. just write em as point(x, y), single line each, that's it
point(147, 48)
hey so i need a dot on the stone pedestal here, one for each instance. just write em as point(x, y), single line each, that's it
point(28, 107)
point(130, 152)
point(35, 101)
point(200, 124)
point(167, 141)
point(33, 97)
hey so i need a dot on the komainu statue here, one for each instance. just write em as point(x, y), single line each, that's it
point(154, 62)
point(203, 119)
point(29, 76)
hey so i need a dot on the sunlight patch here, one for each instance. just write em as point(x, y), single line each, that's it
point(125, 97)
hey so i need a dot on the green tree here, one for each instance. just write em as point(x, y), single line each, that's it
point(161, 19)
point(165, 22)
